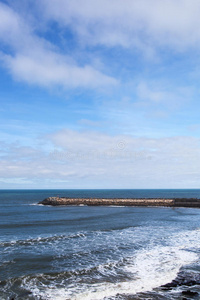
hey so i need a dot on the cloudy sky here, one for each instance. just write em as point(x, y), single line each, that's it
point(100, 94)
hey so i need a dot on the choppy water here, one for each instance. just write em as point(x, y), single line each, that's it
point(95, 252)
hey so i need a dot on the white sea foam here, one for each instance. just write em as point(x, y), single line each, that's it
point(150, 267)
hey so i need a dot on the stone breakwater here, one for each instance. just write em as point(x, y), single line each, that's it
point(184, 202)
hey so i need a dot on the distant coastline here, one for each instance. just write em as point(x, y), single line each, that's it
point(168, 202)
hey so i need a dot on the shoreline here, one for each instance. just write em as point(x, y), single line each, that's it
point(163, 202)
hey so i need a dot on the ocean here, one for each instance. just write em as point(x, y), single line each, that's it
point(84, 252)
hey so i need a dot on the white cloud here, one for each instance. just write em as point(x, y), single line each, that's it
point(159, 93)
point(36, 61)
point(50, 69)
point(89, 160)
point(130, 23)
point(12, 28)
point(146, 93)
point(142, 24)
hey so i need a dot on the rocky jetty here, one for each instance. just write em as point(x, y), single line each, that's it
point(184, 202)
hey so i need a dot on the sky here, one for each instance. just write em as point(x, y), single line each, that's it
point(99, 94)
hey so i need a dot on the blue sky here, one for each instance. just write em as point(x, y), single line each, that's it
point(99, 94)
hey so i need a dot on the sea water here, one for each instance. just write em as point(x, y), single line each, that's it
point(81, 252)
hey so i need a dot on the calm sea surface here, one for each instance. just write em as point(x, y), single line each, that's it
point(95, 252)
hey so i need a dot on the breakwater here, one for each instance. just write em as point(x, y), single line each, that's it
point(178, 202)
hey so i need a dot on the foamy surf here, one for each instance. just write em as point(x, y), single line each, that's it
point(149, 268)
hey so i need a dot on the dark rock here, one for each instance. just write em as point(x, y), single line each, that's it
point(189, 293)
point(25, 293)
point(183, 278)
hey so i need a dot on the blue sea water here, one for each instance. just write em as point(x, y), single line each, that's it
point(81, 252)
